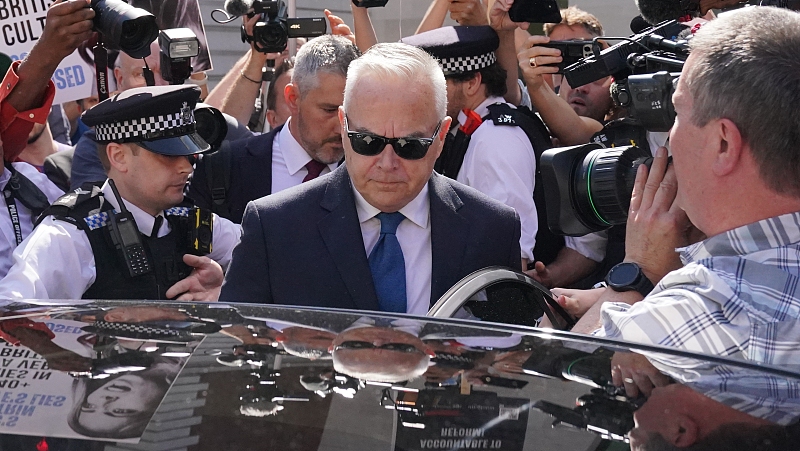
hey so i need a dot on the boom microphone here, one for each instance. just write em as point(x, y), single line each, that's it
point(237, 8)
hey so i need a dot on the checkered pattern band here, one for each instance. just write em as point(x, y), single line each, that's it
point(462, 64)
point(177, 211)
point(146, 128)
point(136, 328)
point(96, 221)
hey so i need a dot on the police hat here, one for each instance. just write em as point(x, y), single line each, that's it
point(459, 49)
point(158, 118)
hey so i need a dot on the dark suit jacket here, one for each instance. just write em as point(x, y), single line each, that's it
point(303, 246)
point(250, 175)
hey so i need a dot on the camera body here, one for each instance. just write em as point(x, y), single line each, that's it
point(571, 52)
point(598, 411)
point(648, 99)
point(370, 3)
point(272, 32)
point(124, 27)
point(535, 11)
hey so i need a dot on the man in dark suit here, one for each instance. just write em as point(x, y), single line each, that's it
point(309, 144)
point(383, 232)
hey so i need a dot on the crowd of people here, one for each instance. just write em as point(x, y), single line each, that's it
point(387, 172)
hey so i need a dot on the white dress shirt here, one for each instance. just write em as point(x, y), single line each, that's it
point(500, 163)
point(289, 161)
point(8, 241)
point(56, 260)
point(414, 236)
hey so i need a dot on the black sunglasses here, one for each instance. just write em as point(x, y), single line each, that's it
point(370, 145)
point(400, 347)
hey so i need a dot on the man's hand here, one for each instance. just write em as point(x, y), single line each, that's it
point(498, 16)
point(338, 27)
point(656, 224)
point(534, 61)
point(636, 373)
point(468, 12)
point(68, 25)
point(203, 284)
point(577, 302)
point(540, 274)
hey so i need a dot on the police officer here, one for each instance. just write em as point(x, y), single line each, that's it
point(487, 148)
point(133, 236)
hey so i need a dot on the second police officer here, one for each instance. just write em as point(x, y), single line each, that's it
point(133, 236)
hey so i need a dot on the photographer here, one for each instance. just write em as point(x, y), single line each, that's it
point(734, 176)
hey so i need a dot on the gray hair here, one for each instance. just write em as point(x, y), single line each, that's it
point(747, 69)
point(400, 61)
point(325, 54)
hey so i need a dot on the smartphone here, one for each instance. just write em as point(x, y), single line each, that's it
point(571, 52)
point(535, 11)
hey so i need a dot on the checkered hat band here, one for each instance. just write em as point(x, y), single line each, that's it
point(135, 328)
point(177, 211)
point(463, 64)
point(96, 221)
point(145, 128)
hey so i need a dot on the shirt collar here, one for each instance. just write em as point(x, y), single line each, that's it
point(482, 109)
point(4, 178)
point(766, 234)
point(294, 155)
point(144, 221)
point(416, 211)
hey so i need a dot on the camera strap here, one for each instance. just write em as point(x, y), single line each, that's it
point(28, 194)
point(101, 70)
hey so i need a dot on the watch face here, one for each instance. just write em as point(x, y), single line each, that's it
point(624, 274)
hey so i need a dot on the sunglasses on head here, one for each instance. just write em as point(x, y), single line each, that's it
point(400, 347)
point(370, 145)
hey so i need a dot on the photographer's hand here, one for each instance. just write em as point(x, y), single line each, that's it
point(499, 19)
point(468, 12)
point(535, 60)
point(68, 25)
point(656, 224)
point(338, 27)
point(636, 374)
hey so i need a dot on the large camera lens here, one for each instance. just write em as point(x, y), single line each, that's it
point(588, 187)
point(124, 27)
point(272, 36)
point(603, 183)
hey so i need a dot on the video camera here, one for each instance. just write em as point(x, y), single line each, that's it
point(607, 415)
point(588, 187)
point(272, 32)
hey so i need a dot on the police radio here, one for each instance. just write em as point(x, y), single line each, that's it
point(126, 238)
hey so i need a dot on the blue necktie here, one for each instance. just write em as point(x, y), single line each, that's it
point(388, 266)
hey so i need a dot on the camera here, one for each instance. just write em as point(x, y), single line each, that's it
point(536, 11)
point(177, 48)
point(571, 52)
point(272, 32)
point(608, 415)
point(124, 27)
point(589, 186)
point(370, 3)
point(648, 99)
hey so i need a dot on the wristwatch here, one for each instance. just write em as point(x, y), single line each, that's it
point(628, 276)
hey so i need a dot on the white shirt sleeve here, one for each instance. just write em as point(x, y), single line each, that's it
point(226, 236)
point(54, 262)
point(591, 246)
point(501, 164)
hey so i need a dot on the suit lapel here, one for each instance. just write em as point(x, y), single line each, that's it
point(341, 233)
point(449, 236)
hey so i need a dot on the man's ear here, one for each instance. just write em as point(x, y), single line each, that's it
point(438, 143)
point(685, 433)
point(731, 147)
point(473, 85)
point(292, 96)
point(118, 156)
point(118, 77)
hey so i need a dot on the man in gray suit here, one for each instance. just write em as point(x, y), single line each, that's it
point(382, 232)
